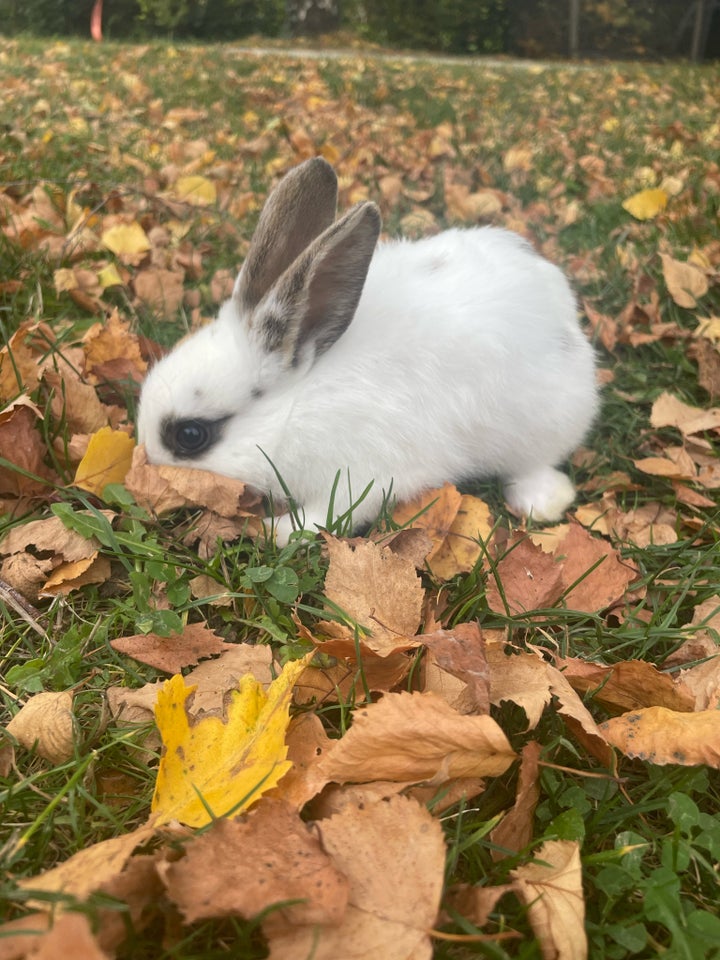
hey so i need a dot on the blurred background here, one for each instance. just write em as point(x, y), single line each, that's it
point(616, 29)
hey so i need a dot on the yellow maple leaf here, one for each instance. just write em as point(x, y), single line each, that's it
point(646, 204)
point(107, 460)
point(126, 240)
point(223, 767)
point(197, 190)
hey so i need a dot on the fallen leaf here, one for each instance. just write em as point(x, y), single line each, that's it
point(525, 578)
point(461, 550)
point(163, 488)
point(269, 857)
point(46, 724)
point(70, 935)
point(662, 736)
point(171, 654)
point(414, 737)
point(392, 853)
point(197, 190)
point(160, 290)
point(209, 765)
point(515, 830)
point(460, 652)
point(378, 590)
point(128, 241)
point(90, 868)
point(107, 460)
point(646, 204)
point(627, 685)
point(685, 282)
point(670, 411)
point(551, 888)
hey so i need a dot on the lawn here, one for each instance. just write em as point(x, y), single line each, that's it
point(509, 739)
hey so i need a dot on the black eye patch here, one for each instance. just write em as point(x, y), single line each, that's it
point(187, 439)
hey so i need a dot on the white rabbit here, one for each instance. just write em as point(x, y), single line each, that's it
point(405, 366)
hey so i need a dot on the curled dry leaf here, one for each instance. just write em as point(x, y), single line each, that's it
point(163, 488)
point(245, 867)
point(551, 888)
point(515, 830)
point(416, 737)
point(393, 855)
point(627, 685)
point(46, 724)
point(663, 736)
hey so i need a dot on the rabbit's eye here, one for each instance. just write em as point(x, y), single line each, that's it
point(190, 438)
point(192, 435)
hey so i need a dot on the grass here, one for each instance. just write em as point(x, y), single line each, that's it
point(98, 120)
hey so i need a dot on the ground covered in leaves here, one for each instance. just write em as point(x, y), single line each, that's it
point(457, 736)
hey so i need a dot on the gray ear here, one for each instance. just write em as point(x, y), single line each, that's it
point(301, 206)
point(316, 298)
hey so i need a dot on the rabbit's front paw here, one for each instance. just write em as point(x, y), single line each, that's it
point(544, 494)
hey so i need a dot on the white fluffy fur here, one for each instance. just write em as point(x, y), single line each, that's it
point(464, 359)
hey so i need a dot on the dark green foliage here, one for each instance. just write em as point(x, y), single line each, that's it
point(455, 26)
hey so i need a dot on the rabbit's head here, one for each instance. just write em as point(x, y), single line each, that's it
point(217, 400)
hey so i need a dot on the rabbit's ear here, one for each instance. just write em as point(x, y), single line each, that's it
point(316, 298)
point(301, 206)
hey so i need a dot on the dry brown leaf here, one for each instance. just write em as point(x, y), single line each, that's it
point(307, 743)
point(71, 576)
point(91, 868)
point(707, 356)
point(70, 936)
point(515, 830)
point(378, 590)
point(437, 511)
point(460, 550)
point(46, 724)
point(162, 488)
point(670, 411)
point(415, 737)
point(160, 290)
point(703, 681)
point(22, 445)
point(347, 679)
point(658, 735)
point(604, 586)
point(527, 680)
point(392, 853)
point(475, 903)
point(244, 867)
point(112, 352)
point(460, 653)
point(170, 654)
point(686, 282)
point(551, 888)
point(525, 578)
point(214, 679)
point(628, 685)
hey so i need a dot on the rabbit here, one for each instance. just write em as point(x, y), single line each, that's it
point(402, 365)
